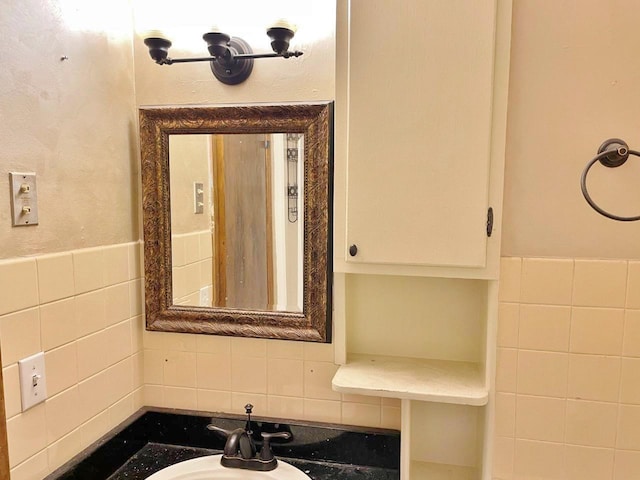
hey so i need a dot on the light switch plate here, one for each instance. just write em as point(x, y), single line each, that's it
point(33, 381)
point(198, 198)
point(24, 199)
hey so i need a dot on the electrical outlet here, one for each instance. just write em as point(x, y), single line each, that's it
point(33, 382)
point(205, 297)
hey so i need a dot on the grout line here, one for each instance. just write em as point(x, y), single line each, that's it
point(515, 415)
point(619, 409)
point(569, 352)
point(626, 285)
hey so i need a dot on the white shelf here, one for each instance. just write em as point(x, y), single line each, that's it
point(439, 381)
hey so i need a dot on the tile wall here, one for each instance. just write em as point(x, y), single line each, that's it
point(568, 376)
point(282, 379)
point(568, 370)
point(192, 267)
point(83, 309)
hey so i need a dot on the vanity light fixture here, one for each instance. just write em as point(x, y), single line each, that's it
point(231, 58)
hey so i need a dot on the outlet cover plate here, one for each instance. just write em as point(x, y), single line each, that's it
point(33, 381)
point(205, 297)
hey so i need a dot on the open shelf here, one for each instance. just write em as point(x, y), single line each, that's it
point(440, 381)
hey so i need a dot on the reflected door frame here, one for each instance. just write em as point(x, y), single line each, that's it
point(219, 237)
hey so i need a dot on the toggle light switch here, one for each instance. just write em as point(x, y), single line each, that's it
point(24, 199)
point(33, 384)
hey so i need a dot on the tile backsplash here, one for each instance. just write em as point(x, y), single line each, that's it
point(83, 309)
point(282, 379)
point(568, 370)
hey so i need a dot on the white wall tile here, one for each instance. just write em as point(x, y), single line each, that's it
point(89, 269)
point(11, 385)
point(55, 277)
point(600, 283)
point(20, 335)
point(18, 285)
point(547, 281)
point(597, 330)
point(58, 323)
point(27, 434)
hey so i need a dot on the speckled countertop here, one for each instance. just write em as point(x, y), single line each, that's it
point(154, 457)
point(156, 438)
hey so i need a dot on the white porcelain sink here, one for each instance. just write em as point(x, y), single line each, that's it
point(209, 468)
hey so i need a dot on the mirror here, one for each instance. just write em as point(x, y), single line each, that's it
point(236, 219)
point(235, 202)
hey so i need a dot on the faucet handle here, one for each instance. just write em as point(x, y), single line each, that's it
point(283, 435)
point(266, 454)
point(220, 430)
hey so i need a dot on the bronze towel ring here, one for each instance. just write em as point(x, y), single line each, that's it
point(612, 153)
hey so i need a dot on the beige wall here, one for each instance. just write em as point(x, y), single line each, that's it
point(573, 85)
point(71, 122)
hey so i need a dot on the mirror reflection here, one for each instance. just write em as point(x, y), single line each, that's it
point(236, 220)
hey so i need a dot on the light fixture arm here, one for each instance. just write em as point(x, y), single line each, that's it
point(171, 61)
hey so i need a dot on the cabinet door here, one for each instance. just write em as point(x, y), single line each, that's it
point(419, 131)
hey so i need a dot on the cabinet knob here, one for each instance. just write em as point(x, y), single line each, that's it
point(353, 250)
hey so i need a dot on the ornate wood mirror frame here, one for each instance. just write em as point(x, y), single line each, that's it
point(315, 121)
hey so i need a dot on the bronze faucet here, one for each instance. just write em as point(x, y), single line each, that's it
point(240, 449)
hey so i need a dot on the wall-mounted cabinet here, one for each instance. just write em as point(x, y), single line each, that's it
point(421, 101)
point(421, 92)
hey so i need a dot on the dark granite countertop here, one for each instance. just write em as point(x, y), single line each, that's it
point(157, 438)
point(154, 457)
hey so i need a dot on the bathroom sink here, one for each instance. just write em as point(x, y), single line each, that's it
point(209, 468)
